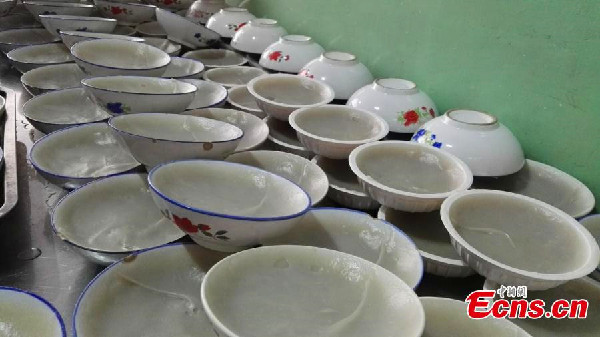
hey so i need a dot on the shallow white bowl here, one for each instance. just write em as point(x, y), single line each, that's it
point(301, 171)
point(137, 94)
point(257, 35)
point(240, 98)
point(108, 219)
point(27, 314)
point(407, 176)
point(255, 129)
point(433, 241)
point(75, 156)
point(186, 32)
point(53, 77)
point(217, 58)
point(181, 68)
point(319, 287)
point(152, 29)
point(159, 138)
point(58, 8)
point(209, 94)
point(129, 14)
point(61, 109)
point(6, 6)
point(333, 131)
point(229, 20)
point(124, 30)
point(21, 37)
point(227, 206)
point(290, 53)
point(233, 76)
point(476, 137)
point(278, 95)
point(69, 38)
point(283, 138)
point(105, 57)
point(169, 47)
point(516, 240)
point(31, 57)
point(55, 23)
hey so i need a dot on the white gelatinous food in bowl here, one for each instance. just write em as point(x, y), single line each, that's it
point(26, 314)
point(283, 138)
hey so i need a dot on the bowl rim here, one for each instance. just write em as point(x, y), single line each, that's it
point(81, 43)
point(65, 17)
point(89, 36)
point(236, 104)
point(232, 69)
point(384, 127)
point(42, 300)
point(10, 54)
point(574, 224)
point(590, 216)
point(222, 98)
point(221, 215)
point(243, 60)
point(85, 83)
point(280, 142)
point(467, 175)
point(18, 43)
point(57, 4)
point(328, 91)
point(177, 45)
point(203, 68)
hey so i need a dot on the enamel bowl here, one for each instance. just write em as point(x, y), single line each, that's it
point(54, 77)
point(260, 204)
point(181, 68)
point(186, 32)
point(21, 37)
point(136, 94)
point(299, 170)
point(217, 58)
point(110, 218)
point(169, 47)
point(476, 137)
point(229, 20)
point(154, 139)
point(344, 188)
point(58, 8)
point(433, 241)
point(333, 131)
point(61, 109)
point(27, 58)
point(126, 298)
point(290, 53)
point(278, 95)
point(233, 76)
point(329, 293)
point(128, 14)
point(69, 38)
point(171, 5)
point(547, 184)
point(255, 129)
point(448, 317)
point(340, 70)
point(592, 224)
point(407, 176)
point(75, 156)
point(6, 6)
point(28, 314)
point(358, 234)
point(283, 138)
point(499, 235)
point(55, 23)
point(106, 57)
point(208, 95)
point(151, 29)
point(240, 98)
point(257, 35)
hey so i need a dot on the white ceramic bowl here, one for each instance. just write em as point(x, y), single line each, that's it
point(433, 241)
point(301, 171)
point(61, 109)
point(28, 314)
point(229, 20)
point(74, 156)
point(181, 68)
point(139, 94)
point(172, 5)
point(407, 176)
point(240, 98)
point(233, 76)
point(58, 8)
point(69, 38)
point(110, 218)
point(169, 47)
point(260, 204)
point(257, 35)
point(129, 14)
point(6, 6)
point(106, 57)
point(209, 94)
point(186, 32)
point(290, 53)
point(340, 70)
point(217, 58)
point(283, 138)
point(31, 57)
point(400, 102)
point(333, 131)
point(499, 234)
point(547, 184)
point(255, 129)
point(486, 145)
point(55, 23)
point(21, 37)
point(154, 139)
point(54, 77)
point(278, 95)
point(318, 287)
point(201, 10)
point(151, 29)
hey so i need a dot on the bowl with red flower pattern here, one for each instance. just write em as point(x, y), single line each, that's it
point(227, 206)
point(290, 53)
point(128, 14)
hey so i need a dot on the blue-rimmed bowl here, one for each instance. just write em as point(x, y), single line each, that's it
point(56, 23)
point(227, 206)
point(128, 14)
point(69, 38)
point(53, 77)
point(27, 314)
point(74, 156)
point(209, 94)
point(185, 32)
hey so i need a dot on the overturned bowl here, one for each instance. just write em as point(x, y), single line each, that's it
point(186, 32)
point(71, 37)
point(57, 23)
point(151, 29)
point(28, 314)
point(31, 57)
point(53, 77)
point(233, 76)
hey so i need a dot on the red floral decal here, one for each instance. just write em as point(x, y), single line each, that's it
point(240, 26)
point(168, 2)
point(305, 72)
point(274, 56)
point(204, 227)
point(185, 224)
point(432, 113)
point(411, 117)
point(116, 10)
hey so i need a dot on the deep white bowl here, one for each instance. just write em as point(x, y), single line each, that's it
point(217, 58)
point(69, 38)
point(181, 68)
point(283, 138)
point(241, 99)
point(58, 8)
point(151, 29)
point(21, 37)
point(233, 76)
point(27, 314)
point(129, 14)
point(229, 20)
point(186, 32)
point(257, 35)
point(54, 77)
point(290, 53)
point(55, 23)
point(169, 47)
point(209, 94)
point(31, 57)
point(106, 57)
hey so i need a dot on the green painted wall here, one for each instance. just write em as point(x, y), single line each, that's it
point(534, 64)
